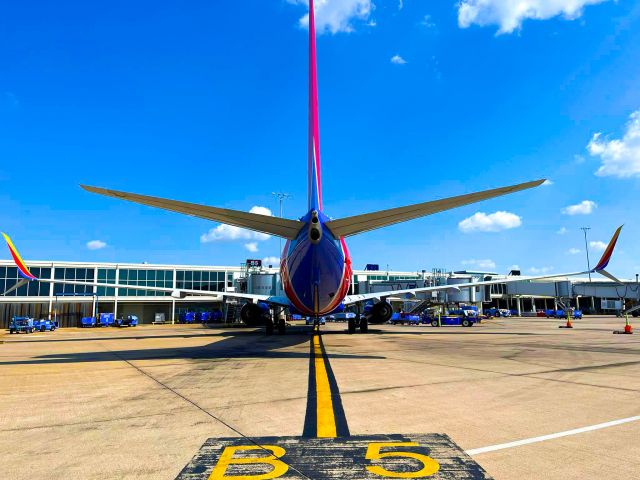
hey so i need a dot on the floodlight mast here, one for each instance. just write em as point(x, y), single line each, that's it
point(281, 196)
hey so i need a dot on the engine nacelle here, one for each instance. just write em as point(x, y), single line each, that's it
point(255, 314)
point(379, 312)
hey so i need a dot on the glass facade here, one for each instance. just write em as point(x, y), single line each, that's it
point(106, 275)
point(9, 276)
point(199, 280)
point(147, 278)
point(79, 274)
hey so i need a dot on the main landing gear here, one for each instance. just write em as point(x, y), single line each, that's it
point(276, 322)
point(354, 324)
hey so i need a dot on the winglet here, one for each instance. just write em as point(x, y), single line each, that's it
point(606, 256)
point(22, 268)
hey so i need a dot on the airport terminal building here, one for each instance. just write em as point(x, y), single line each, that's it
point(69, 303)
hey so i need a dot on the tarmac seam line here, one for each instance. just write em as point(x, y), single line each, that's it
point(202, 409)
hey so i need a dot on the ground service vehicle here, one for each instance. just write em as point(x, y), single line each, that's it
point(453, 320)
point(87, 322)
point(129, 321)
point(404, 318)
point(105, 320)
point(45, 325)
point(21, 324)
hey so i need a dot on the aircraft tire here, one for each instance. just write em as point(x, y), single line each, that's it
point(282, 326)
point(269, 328)
point(352, 325)
point(364, 325)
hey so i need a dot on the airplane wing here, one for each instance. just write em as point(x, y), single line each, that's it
point(174, 292)
point(344, 227)
point(599, 268)
point(280, 227)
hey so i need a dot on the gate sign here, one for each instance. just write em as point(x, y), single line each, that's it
point(254, 263)
point(430, 456)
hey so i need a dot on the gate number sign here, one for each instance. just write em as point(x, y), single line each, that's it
point(432, 456)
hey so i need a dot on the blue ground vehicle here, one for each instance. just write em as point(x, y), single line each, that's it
point(87, 322)
point(21, 324)
point(105, 320)
point(402, 318)
point(45, 325)
point(467, 318)
point(562, 314)
point(188, 317)
point(321, 321)
point(130, 321)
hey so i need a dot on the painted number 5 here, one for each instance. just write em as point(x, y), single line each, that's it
point(429, 465)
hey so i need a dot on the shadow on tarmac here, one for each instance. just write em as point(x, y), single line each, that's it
point(233, 344)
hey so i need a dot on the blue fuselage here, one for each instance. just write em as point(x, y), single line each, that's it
point(316, 268)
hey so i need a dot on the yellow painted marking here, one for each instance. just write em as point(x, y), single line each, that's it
point(226, 459)
point(429, 465)
point(324, 404)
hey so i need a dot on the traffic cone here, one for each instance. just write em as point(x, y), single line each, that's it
point(569, 324)
point(628, 329)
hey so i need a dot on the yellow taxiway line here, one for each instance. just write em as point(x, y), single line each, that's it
point(325, 415)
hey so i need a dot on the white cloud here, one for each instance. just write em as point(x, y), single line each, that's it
point(547, 183)
point(400, 4)
point(336, 15)
point(427, 22)
point(271, 261)
point(562, 231)
point(578, 159)
point(398, 60)
point(620, 157)
point(585, 207)
point(494, 222)
point(251, 246)
point(483, 264)
point(96, 244)
point(509, 14)
point(224, 232)
point(597, 245)
point(573, 251)
point(540, 270)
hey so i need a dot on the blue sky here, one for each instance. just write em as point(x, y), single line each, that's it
point(207, 102)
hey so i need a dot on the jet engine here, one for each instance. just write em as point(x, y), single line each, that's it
point(379, 312)
point(255, 314)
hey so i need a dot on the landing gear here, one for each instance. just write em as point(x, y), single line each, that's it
point(352, 325)
point(364, 325)
point(282, 326)
point(269, 327)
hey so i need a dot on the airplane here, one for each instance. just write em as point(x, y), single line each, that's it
point(315, 267)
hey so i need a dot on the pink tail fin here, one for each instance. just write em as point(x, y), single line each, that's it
point(315, 183)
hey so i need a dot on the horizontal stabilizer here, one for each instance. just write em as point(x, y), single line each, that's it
point(280, 227)
point(344, 227)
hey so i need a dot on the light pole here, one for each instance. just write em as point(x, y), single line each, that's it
point(281, 196)
point(586, 249)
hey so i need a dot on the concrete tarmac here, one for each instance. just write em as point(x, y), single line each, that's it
point(138, 403)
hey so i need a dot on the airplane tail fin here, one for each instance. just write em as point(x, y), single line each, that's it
point(315, 181)
point(22, 267)
point(344, 227)
point(606, 257)
point(281, 227)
